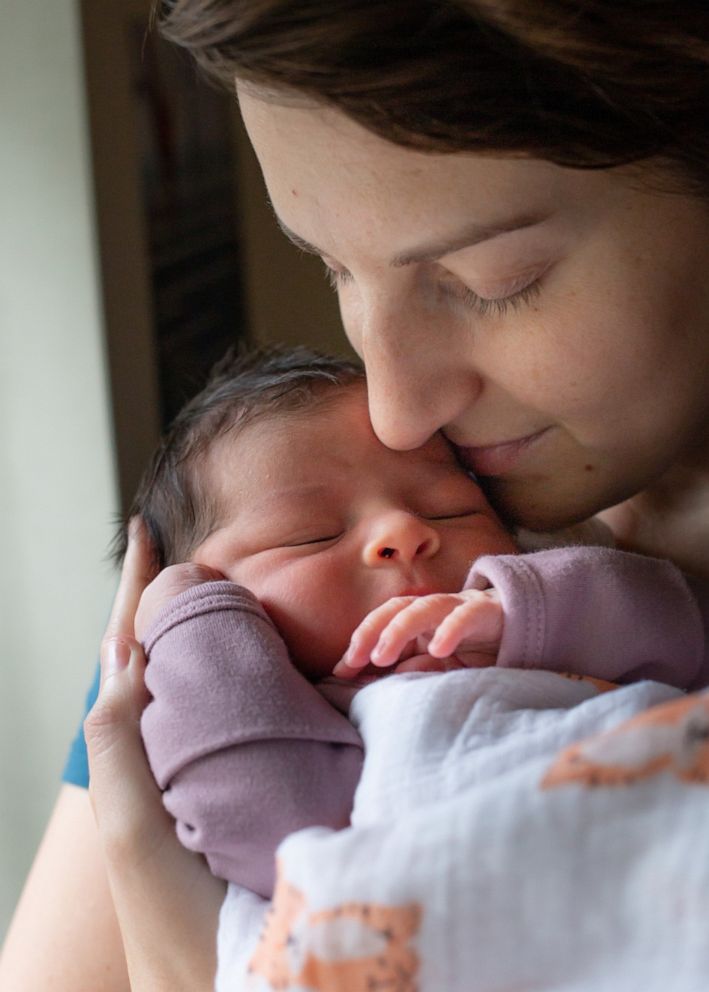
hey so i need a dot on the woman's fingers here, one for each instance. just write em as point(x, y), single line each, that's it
point(121, 785)
point(138, 570)
point(166, 900)
point(125, 798)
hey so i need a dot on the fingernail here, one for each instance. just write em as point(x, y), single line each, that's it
point(134, 525)
point(117, 658)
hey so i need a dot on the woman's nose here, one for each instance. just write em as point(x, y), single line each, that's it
point(421, 374)
point(400, 537)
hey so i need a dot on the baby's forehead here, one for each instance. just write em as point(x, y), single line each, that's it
point(254, 450)
point(308, 448)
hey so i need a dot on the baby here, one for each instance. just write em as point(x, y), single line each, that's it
point(294, 545)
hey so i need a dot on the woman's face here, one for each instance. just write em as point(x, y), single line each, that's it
point(553, 322)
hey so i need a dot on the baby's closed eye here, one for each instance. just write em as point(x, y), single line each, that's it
point(317, 538)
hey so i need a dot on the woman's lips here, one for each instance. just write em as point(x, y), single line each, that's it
point(496, 459)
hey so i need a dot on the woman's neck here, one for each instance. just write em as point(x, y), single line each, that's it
point(670, 519)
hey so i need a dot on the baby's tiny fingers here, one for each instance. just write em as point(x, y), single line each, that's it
point(421, 616)
point(367, 635)
point(478, 623)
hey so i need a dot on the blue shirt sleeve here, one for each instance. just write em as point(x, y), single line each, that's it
point(76, 769)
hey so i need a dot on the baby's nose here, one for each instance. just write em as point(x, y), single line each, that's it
point(400, 537)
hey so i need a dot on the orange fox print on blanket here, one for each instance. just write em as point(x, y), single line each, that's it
point(355, 947)
point(671, 738)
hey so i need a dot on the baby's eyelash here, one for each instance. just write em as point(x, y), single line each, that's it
point(452, 516)
point(313, 540)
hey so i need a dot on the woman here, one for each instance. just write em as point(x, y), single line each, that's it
point(511, 199)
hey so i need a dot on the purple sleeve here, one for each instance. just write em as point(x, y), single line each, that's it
point(599, 612)
point(245, 749)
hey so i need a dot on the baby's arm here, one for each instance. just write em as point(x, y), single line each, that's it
point(591, 611)
point(600, 612)
point(244, 747)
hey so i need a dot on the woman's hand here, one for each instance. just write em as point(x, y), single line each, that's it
point(166, 900)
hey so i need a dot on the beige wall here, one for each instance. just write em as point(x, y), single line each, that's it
point(121, 232)
point(57, 485)
point(77, 368)
point(288, 299)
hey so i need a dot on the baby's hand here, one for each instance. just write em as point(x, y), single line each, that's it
point(172, 581)
point(468, 623)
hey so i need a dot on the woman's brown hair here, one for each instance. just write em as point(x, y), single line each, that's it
point(582, 83)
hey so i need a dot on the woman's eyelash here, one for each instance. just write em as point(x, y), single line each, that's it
point(483, 307)
point(497, 307)
point(336, 278)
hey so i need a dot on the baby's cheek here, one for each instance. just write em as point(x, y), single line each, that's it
point(318, 640)
point(316, 652)
point(316, 606)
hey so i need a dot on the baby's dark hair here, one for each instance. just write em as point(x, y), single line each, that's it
point(180, 509)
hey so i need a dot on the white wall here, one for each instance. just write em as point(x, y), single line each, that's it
point(57, 483)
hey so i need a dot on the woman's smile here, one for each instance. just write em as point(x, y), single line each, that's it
point(497, 459)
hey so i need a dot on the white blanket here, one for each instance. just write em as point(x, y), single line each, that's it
point(516, 831)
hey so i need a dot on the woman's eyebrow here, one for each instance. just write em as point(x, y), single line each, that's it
point(297, 240)
point(473, 234)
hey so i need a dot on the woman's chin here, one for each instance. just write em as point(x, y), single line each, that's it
point(539, 506)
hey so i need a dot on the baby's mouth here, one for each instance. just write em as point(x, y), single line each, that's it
point(418, 591)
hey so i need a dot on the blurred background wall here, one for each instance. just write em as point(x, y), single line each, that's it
point(136, 243)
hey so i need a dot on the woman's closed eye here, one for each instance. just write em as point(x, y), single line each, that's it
point(484, 306)
point(495, 306)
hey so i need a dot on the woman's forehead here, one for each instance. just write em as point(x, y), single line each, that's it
point(318, 136)
point(330, 180)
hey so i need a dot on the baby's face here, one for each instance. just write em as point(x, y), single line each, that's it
point(323, 523)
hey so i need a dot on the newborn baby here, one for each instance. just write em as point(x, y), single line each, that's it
point(294, 545)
